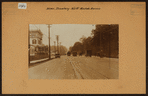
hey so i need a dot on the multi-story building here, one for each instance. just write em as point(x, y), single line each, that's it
point(36, 37)
point(35, 40)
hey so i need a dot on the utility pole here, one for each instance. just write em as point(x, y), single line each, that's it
point(55, 47)
point(29, 46)
point(57, 43)
point(109, 48)
point(100, 46)
point(49, 40)
point(60, 47)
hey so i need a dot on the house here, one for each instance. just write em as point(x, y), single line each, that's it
point(35, 40)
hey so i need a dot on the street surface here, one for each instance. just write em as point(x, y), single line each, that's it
point(80, 67)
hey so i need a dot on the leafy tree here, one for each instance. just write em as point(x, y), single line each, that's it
point(106, 37)
point(77, 47)
point(62, 49)
point(70, 48)
point(87, 43)
point(103, 39)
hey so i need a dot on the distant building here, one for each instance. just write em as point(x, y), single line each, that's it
point(35, 40)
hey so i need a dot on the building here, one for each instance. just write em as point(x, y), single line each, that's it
point(36, 37)
point(35, 40)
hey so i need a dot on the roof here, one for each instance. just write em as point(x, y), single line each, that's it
point(36, 31)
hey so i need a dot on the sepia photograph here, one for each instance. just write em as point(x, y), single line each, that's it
point(73, 48)
point(73, 51)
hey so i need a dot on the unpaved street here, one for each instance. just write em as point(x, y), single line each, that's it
point(80, 67)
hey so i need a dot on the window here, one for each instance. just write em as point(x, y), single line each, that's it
point(33, 41)
point(39, 41)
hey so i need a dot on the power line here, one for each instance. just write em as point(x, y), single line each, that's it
point(35, 26)
point(39, 29)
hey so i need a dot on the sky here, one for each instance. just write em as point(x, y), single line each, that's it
point(68, 33)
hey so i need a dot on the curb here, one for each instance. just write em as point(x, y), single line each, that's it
point(37, 61)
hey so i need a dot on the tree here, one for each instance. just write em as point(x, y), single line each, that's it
point(103, 39)
point(106, 37)
point(82, 39)
point(62, 49)
point(70, 48)
point(77, 47)
point(87, 43)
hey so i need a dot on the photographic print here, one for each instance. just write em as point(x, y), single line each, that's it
point(73, 51)
point(73, 48)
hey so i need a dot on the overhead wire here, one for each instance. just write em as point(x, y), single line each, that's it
point(47, 36)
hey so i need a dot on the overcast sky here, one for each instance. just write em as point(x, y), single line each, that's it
point(68, 33)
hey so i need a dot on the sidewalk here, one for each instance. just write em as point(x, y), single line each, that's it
point(36, 61)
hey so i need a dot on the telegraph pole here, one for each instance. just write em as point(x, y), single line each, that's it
point(49, 40)
point(55, 47)
point(100, 46)
point(109, 48)
point(60, 47)
point(57, 43)
point(29, 46)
